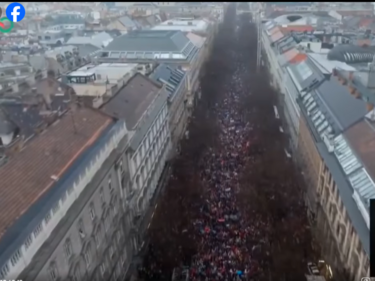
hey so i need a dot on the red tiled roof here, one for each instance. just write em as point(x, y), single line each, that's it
point(361, 138)
point(298, 58)
point(27, 175)
point(297, 28)
point(276, 36)
point(291, 54)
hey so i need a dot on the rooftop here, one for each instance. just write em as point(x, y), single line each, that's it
point(132, 100)
point(105, 71)
point(146, 40)
point(171, 76)
point(34, 107)
point(99, 40)
point(183, 25)
point(149, 45)
point(41, 163)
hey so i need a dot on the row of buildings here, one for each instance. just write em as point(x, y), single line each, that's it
point(84, 154)
point(325, 84)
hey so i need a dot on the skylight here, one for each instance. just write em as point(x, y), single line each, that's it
point(304, 70)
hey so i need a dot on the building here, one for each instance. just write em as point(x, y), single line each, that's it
point(89, 44)
point(157, 46)
point(201, 32)
point(89, 178)
point(336, 128)
point(14, 75)
point(174, 80)
point(184, 25)
point(143, 8)
point(29, 111)
point(326, 102)
point(142, 103)
point(124, 24)
point(186, 9)
point(68, 224)
point(63, 59)
point(95, 84)
point(67, 22)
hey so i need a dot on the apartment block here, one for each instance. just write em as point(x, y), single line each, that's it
point(89, 179)
point(329, 111)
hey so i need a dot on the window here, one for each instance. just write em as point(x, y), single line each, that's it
point(106, 222)
point(77, 275)
point(28, 241)
point(103, 268)
point(98, 236)
point(114, 276)
point(56, 207)
point(68, 248)
point(81, 229)
point(16, 257)
point(114, 208)
point(124, 257)
point(52, 270)
point(118, 237)
point(142, 150)
point(47, 218)
point(88, 256)
point(111, 251)
point(110, 184)
point(121, 167)
point(92, 211)
point(4, 271)
point(101, 194)
point(38, 230)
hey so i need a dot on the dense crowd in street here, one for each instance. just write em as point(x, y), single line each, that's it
point(233, 242)
point(224, 253)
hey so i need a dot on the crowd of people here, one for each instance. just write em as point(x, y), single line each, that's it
point(226, 252)
point(233, 242)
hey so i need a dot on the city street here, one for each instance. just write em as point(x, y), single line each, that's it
point(233, 208)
